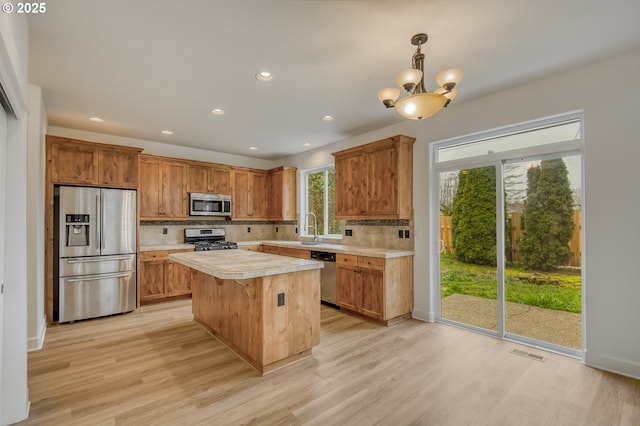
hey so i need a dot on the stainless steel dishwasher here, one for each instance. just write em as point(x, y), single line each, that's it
point(327, 276)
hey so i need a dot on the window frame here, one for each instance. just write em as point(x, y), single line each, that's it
point(304, 232)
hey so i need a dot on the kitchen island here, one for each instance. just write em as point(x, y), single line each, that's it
point(264, 307)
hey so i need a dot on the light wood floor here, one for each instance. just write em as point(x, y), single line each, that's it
point(155, 366)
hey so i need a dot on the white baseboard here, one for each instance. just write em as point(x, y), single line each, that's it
point(422, 315)
point(34, 343)
point(616, 365)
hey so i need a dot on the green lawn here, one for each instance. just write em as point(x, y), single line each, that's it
point(560, 290)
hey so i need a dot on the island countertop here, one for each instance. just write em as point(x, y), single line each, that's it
point(242, 264)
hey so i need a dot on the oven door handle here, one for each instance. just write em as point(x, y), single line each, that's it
point(99, 277)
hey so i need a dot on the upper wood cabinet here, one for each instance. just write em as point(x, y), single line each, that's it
point(208, 178)
point(78, 162)
point(163, 188)
point(282, 193)
point(117, 167)
point(249, 194)
point(375, 181)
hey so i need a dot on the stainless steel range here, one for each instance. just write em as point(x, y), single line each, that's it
point(208, 239)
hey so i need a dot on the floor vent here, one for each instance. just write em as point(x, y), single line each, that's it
point(527, 354)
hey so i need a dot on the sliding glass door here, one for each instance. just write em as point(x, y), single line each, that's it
point(468, 277)
point(509, 224)
point(543, 284)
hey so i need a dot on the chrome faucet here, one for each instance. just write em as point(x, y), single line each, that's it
point(315, 226)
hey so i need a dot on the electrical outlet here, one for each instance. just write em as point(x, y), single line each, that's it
point(164, 231)
point(400, 234)
point(348, 233)
point(406, 233)
point(280, 299)
point(248, 229)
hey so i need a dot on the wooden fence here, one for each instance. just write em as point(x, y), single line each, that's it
point(515, 221)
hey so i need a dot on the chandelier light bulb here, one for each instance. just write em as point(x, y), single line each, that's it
point(388, 96)
point(450, 95)
point(449, 78)
point(409, 79)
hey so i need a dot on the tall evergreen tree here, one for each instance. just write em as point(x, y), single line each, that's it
point(473, 221)
point(548, 216)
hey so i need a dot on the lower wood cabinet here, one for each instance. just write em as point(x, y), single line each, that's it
point(381, 289)
point(160, 279)
point(287, 251)
point(252, 247)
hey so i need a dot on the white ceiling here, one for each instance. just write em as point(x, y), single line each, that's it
point(150, 65)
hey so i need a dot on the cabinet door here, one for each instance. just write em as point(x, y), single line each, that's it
point(220, 180)
point(289, 193)
point(174, 185)
point(150, 187)
point(152, 280)
point(351, 187)
point(348, 288)
point(372, 293)
point(178, 279)
point(382, 181)
point(74, 163)
point(259, 195)
point(275, 195)
point(240, 194)
point(118, 168)
point(197, 178)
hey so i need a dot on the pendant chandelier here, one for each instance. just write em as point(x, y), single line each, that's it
point(419, 103)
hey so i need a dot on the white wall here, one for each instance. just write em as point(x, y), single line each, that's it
point(37, 125)
point(160, 148)
point(612, 203)
point(13, 343)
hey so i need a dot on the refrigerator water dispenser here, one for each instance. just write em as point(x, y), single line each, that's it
point(77, 230)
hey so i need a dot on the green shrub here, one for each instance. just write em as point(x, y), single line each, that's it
point(473, 221)
point(548, 216)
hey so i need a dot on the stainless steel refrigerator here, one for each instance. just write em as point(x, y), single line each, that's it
point(96, 252)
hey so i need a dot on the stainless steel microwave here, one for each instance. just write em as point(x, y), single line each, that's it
point(209, 204)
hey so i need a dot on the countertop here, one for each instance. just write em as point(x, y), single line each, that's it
point(157, 247)
point(332, 248)
point(335, 248)
point(242, 264)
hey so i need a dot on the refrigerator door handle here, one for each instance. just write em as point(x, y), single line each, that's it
point(99, 277)
point(100, 259)
point(98, 235)
point(102, 216)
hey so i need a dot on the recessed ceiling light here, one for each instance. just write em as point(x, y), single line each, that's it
point(264, 76)
point(167, 132)
point(328, 118)
point(306, 144)
point(217, 111)
point(96, 119)
point(253, 148)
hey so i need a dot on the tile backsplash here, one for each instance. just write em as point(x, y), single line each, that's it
point(382, 234)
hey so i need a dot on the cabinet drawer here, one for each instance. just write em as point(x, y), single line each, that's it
point(371, 262)
point(153, 255)
point(347, 259)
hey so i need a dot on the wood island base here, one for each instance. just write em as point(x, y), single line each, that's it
point(268, 321)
